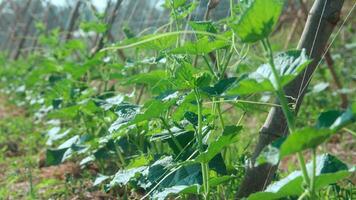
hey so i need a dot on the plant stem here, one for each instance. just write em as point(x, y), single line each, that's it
point(303, 168)
point(231, 8)
point(280, 92)
point(285, 108)
point(210, 67)
point(313, 175)
point(218, 106)
point(303, 195)
point(199, 135)
point(176, 142)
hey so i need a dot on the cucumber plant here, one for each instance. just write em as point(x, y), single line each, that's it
point(178, 141)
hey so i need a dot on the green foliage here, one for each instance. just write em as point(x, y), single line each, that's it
point(228, 137)
point(308, 138)
point(288, 65)
point(166, 115)
point(329, 170)
point(258, 20)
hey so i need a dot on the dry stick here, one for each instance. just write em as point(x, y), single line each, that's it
point(110, 23)
point(302, 13)
point(97, 37)
point(2, 6)
point(257, 178)
point(293, 29)
point(22, 41)
point(331, 67)
point(13, 33)
point(45, 23)
point(73, 18)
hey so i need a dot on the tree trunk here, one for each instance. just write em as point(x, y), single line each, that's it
point(313, 40)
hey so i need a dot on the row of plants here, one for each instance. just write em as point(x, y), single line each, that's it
point(165, 120)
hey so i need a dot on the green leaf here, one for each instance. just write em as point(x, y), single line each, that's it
point(329, 170)
point(69, 143)
point(336, 119)
point(258, 20)
point(152, 109)
point(126, 112)
point(149, 78)
point(157, 42)
point(327, 124)
point(303, 139)
point(202, 46)
point(327, 163)
point(100, 179)
point(228, 137)
point(183, 180)
point(326, 119)
point(93, 26)
point(187, 77)
point(291, 185)
point(288, 65)
point(184, 76)
point(220, 87)
point(344, 118)
point(204, 26)
point(178, 3)
point(55, 156)
point(122, 177)
point(183, 137)
point(139, 161)
point(176, 189)
point(108, 103)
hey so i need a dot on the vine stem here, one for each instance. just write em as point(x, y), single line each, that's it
point(280, 92)
point(199, 135)
point(285, 108)
point(313, 175)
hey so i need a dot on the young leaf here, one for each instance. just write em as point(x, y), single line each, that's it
point(258, 20)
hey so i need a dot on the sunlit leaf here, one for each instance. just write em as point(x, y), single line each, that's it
point(288, 65)
point(202, 46)
point(303, 139)
point(258, 20)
